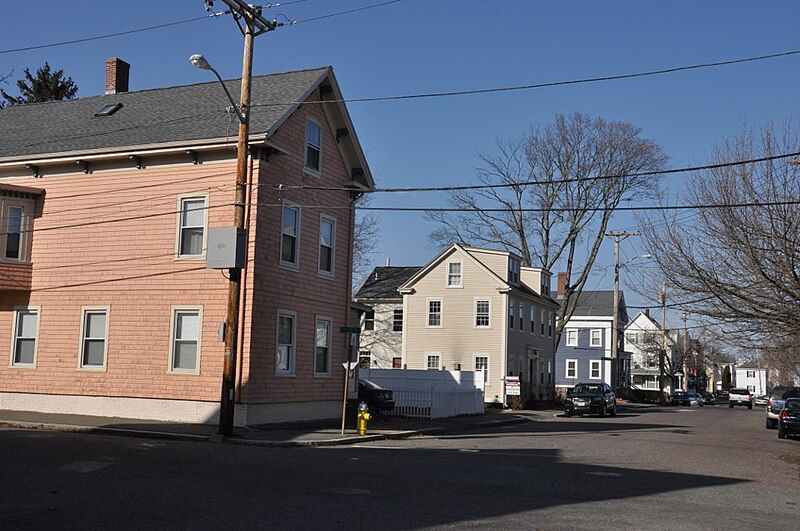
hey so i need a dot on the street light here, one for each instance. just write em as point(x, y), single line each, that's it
point(200, 62)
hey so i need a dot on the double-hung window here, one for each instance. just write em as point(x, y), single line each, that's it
point(285, 351)
point(482, 313)
point(751, 374)
point(572, 337)
point(327, 242)
point(15, 217)
point(513, 270)
point(322, 351)
point(364, 359)
point(185, 351)
point(541, 322)
point(290, 235)
point(434, 362)
point(313, 145)
point(454, 275)
point(596, 338)
point(369, 320)
point(571, 369)
point(533, 319)
point(397, 321)
point(26, 333)
point(192, 226)
point(594, 369)
point(511, 305)
point(550, 319)
point(482, 364)
point(435, 313)
point(521, 316)
point(94, 334)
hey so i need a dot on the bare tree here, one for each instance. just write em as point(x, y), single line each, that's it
point(739, 266)
point(573, 210)
point(365, 241)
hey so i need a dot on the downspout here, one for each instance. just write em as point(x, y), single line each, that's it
point(243, 305)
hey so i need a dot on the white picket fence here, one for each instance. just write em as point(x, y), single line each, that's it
point(431, 394)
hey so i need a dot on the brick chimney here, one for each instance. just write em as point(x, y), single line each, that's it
point(562, 283)
point(117, 73)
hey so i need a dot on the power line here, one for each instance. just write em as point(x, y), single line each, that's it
point(110, 35)
point(531, 86)
point(346, 12)
point(686, 169)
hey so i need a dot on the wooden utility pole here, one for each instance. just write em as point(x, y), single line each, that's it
point(251, 23)
point(618, 236)
point(662, 353)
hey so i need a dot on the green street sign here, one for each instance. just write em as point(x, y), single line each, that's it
point(349, 330)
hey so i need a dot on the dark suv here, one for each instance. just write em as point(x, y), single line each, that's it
point(590, 398)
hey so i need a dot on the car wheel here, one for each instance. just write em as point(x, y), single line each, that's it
point(781, 435)
point(730, 405)
point(603, 410)
point(749, 406)
point(567, 414)
point(613, 411)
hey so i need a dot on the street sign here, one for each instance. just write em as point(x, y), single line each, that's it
point(350, 365)
point(349, 330)
point(512, 386)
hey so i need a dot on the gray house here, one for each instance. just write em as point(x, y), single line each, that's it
point(584, 351)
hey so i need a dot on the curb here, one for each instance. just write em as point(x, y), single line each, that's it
point(341, 441)
point(148, 434)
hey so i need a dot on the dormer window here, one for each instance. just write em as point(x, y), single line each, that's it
point(513, 270)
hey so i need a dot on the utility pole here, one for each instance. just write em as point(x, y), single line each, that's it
point(662, 353)
point(685, 354)
point(251, 23)
point(618, 237)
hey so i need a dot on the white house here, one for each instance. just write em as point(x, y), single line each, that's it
point(751, 376)
point(642, 338)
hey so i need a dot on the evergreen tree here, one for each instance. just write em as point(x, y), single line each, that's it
point(46, 85)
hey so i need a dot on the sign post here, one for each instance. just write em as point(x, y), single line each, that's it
point(349, 364)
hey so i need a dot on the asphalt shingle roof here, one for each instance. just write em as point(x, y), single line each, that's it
point(383, 282)
point(182, 113)
point(599, 303)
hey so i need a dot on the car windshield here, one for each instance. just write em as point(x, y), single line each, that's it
point(740, 392)
point(587, 388)
point(793, 405)
point(369, 385)
point(680, 393)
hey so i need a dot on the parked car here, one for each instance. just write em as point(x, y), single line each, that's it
point(740, 397)
point(681, 398)
point(761, 400)
point(377, 398)
point(789, 421)
point(776, 401)
point(709, 399)
point(590, 398)
point(695, 399)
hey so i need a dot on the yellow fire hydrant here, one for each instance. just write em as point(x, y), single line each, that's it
point(362, 418)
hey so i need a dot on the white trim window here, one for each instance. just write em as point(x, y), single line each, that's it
point(533, 319)
point(192, 221)
point(290, 235)
point(322, 347)
point(434, 313)
point(327, 245)
point(571, 369)
point(594, 369)
point(550, 322)
point(397, 320)
point(483, 312)
point(751, 388)
point(572, 337)
point(15, 250)
point(94, 338)
point(369, 320)
point(184, 356)
point(434, 362)
point(313, 157)
point(364, 359)
point(521, 316)
point(596, 338)
point(25, 337)
point(286, 341)
point(513, 270)
point(482, 364)
point(751, 374)
point(541, 322)
point(454, 274)
point(511, 305)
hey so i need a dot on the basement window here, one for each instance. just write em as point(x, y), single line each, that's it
point(108, 110)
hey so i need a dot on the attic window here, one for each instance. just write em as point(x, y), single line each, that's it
point(108, 110)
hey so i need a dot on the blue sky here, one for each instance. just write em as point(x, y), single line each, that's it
point(430, 45)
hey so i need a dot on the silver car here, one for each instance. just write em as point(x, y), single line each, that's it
point(695, 399)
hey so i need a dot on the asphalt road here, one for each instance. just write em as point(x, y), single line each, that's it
point(714, 468)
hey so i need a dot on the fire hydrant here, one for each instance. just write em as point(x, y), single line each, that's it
point(362, 418)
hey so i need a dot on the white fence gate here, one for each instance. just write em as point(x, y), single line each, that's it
point(431, 394)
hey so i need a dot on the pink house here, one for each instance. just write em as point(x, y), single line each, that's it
point(106, 304)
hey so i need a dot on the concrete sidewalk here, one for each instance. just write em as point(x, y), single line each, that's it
point(283, 435)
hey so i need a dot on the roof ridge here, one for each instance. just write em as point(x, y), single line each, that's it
point(154, 89)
